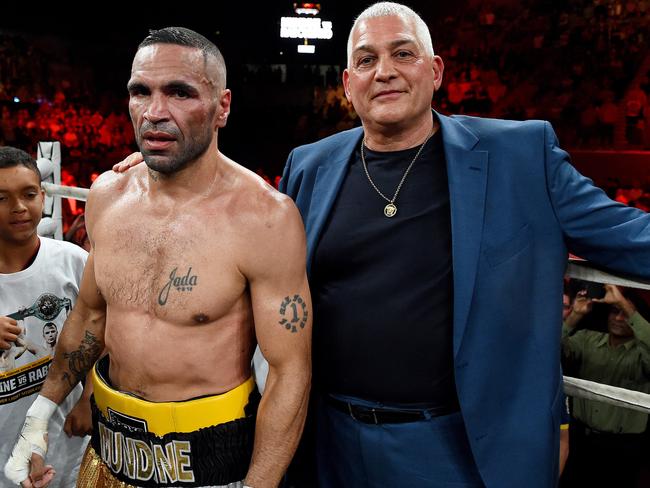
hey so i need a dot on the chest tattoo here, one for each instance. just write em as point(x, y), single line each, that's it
point(178, 281)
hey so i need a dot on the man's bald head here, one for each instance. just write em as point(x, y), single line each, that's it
point(181, 36)
point(387, 9)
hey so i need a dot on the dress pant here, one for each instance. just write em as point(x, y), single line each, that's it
point(433, 452)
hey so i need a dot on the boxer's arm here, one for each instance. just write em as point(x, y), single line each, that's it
point(282, 313)
point(81, 341)
point(79, 421)
point(79, 346)
point(28, 346)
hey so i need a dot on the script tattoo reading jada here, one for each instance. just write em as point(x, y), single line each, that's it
point(183, 283)
point(81, 360)
point(294, 313)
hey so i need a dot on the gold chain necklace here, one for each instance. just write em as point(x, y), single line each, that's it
point(390, 210)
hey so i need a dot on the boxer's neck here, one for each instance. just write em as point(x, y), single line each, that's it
point(197, 178)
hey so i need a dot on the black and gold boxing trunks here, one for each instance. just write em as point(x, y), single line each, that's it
point(199, 442)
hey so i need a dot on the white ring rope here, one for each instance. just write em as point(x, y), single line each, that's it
point(574, 387)
point(590, 390)
point(613, 395)
point(582, 270)
point(65, 191)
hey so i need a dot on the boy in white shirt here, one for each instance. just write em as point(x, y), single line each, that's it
point(39, 283)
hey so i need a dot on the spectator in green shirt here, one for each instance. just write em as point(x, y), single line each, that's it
point(607, 441)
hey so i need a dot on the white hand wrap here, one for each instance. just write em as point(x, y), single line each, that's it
point(31, 440)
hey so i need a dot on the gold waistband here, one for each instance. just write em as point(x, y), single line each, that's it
point(165, 417)
point(94, 473)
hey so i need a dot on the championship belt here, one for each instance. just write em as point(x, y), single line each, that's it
point(46, 307)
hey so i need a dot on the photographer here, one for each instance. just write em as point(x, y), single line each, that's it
point(603, 436)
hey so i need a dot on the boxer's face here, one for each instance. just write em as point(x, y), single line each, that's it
point(175, 105)
point(50, 333)
point(21, 204)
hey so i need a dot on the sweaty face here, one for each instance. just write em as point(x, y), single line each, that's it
point(21, 205)
point(390, 78)
point(173, 102)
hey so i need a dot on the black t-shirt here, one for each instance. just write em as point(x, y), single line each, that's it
point(382, 287)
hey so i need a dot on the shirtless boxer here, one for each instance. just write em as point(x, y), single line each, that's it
point(193, 259)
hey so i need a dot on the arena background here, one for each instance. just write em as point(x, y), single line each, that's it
point(63, 73)
point(582, 64)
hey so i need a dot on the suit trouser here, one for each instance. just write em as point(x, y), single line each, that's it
point(427, 453)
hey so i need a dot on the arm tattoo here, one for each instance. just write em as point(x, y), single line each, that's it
point(81, 360)
point(294, 313)
point(180, 283)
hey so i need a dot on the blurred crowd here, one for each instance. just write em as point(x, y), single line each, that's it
point(584, 65)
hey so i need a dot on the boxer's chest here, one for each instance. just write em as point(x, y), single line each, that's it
point(180, 267)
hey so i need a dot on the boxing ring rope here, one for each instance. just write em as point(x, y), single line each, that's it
point(590, 390)
point(620, 397)
point(74, 192)
point(582, 270)
point(574, 387)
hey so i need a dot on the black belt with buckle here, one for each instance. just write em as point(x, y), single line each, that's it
point(370, 415)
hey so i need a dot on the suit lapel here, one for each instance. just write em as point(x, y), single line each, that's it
point(329, 178)
point(467, 172)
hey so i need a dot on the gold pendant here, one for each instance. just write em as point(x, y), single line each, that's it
point(390, 210)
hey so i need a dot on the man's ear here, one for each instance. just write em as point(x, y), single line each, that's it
point(224, 107)
point(438, 69)
point(346, 84)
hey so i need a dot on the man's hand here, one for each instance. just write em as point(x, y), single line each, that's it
point(40, 475)
point(128, 162)
point(9, 332)
point(79, 421)
point(614, 297)
point(25, 465)
point(582, 304)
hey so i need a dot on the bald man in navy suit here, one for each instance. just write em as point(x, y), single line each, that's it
point(436, 251)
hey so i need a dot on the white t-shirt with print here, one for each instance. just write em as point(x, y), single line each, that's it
point(40, 298)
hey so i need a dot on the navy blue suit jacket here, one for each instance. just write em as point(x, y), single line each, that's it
point(517, 206)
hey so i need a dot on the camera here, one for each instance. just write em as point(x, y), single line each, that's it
point(594, 290)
